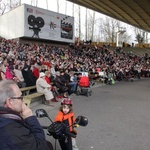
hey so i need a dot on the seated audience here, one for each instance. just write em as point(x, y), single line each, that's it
point(61, 83)
point(28, 76)
point(43, 87)
point(18, 74)
point(53, 88)
point(2, 75)
point(73, 83)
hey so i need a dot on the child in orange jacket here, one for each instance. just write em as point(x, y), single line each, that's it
point(66, 115)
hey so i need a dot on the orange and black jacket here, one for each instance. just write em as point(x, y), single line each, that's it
point(67, 119)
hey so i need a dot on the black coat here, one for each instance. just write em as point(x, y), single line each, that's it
point(19, 134)
point(28, 76)
point(61, 83)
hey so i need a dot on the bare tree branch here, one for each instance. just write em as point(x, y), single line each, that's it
point(3, 7)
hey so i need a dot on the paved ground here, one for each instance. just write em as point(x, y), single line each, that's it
point(119, 117)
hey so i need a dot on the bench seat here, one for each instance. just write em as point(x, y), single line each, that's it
point(26, 90)
point(28, 98)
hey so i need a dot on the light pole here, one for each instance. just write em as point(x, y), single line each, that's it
point(120, 31)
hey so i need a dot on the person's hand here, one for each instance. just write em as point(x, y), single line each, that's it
point(74, 132)
point(26, 111)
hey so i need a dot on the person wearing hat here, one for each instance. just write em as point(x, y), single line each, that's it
point(66, 115)
point(53, 88)
point(43, 87)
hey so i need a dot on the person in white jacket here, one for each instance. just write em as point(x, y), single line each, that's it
point(20, 78)
point(43, 87)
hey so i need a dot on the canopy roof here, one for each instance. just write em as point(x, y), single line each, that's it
point(133, 12)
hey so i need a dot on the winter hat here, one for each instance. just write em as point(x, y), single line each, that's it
point(42, 74)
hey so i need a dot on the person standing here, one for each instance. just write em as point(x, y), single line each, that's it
point(66, 116)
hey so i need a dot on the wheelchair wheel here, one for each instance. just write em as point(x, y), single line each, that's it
point(131, 79)
point(77, 93)
point(88, 94)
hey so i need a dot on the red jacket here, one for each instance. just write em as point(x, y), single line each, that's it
point(47, 79)
point(36, 72)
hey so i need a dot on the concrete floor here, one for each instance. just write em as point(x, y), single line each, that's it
point(119, 117)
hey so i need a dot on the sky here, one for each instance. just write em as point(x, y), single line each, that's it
point(52, 5)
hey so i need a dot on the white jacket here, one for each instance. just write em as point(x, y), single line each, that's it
point(43, 87)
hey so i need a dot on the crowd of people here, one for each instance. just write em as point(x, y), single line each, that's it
point(53, 69)
point(23, 63)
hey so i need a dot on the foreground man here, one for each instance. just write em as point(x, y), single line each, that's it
point(19, 129)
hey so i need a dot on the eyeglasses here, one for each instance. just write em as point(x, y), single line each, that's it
point(20, 98)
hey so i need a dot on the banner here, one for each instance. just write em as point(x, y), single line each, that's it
point(44, 24)
point(34, 22)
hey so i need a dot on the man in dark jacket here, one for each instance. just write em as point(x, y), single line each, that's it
point(19, 129)
point(61, 83)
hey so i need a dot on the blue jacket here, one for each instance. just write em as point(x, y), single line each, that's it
point(19, 134)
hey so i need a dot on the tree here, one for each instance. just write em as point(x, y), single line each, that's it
point(58, 6)
point(86, 24)
point(3, 7)
point(47, 4)
point(79, 23)
point(139, 38)
point(73, 9)
point(93, 22)
point(66, 8)
point(13, 4)
point(109, 27)
point(6, 6)
point(90, 25)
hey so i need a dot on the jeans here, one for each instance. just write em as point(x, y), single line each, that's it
point(73, 86)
